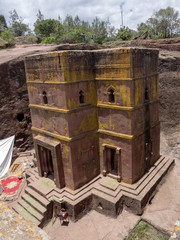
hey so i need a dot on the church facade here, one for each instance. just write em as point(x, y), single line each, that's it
point(94, 112)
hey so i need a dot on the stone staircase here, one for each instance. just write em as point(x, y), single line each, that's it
point(136, 195)
point(32, 205)
point(41, 193)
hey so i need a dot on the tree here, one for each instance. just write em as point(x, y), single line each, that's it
point(71, 29)
point(40, 16)
point(77, 22)
point(163, 24)
point(111, 31)
point(167, 22)
point(146, 27)
point(142, 28)
point(45, 28)
point(124, 33)
point(99, 31)
point(16, 24)
point(3, 24)
point(68, 23)
point(8, 37)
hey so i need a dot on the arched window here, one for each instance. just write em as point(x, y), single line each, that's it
point(111, 95)
point(45, 100)
point(81, 97)
point(146, 94)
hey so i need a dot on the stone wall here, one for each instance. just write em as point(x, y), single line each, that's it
point(14, 112)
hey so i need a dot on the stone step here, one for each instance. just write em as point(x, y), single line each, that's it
point(160, 174)
point(53, 194)
point(35, 204)
point(67, 194)
point(32, 172)
point(31, 180)
point(162, 167)
point(31, 210)
point(43, 186)
point(42, 200)
point(134, 186)
point(107, 191)
point(20, 210)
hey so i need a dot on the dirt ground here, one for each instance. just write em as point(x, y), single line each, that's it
point(22, 50)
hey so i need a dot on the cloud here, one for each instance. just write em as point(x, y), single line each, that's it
point(134, 11)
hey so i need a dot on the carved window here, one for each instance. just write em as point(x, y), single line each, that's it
point(111, 96)
point(81, 97)
point(45, 100)
point(146, 95)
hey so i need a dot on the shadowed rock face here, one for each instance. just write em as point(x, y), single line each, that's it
point(169, 89)
point(14, 112)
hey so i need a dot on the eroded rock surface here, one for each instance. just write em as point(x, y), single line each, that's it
point(13, 226)
point(169, 89)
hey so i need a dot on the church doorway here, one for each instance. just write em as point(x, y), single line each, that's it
point(112, 161)
point(46, 162)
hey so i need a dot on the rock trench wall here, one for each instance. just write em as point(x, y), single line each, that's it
point(15, 114)
point(169, 107)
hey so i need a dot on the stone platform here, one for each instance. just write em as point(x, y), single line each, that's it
point(103, 194)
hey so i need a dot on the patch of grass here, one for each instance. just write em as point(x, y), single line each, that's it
point(111, 183)
point(47, 184)
point(145, 231)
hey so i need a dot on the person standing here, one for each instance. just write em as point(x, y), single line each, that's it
point(83, 37)
point(92, 40)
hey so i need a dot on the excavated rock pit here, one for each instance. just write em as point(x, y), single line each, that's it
point(15, 114)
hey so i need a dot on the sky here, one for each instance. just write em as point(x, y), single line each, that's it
point(134, 11)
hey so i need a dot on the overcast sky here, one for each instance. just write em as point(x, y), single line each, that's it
point(134, 11)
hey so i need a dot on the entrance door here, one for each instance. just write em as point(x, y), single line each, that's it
point(112, 161)
point(46, 161)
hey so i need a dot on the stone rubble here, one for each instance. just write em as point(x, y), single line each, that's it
point(13, 226)
point(176, 233)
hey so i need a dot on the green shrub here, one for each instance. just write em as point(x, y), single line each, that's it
point(49, 40)
point(8, 37)
point(2, 43)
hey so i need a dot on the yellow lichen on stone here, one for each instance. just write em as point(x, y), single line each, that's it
point(177, 228)
point(103, 126)
point(65, 126)
point(90, 96)
point(89, 122)
point(125, 94)
point(66, 150)
point(31, 87)
point(72, 103)
point(138, 91)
